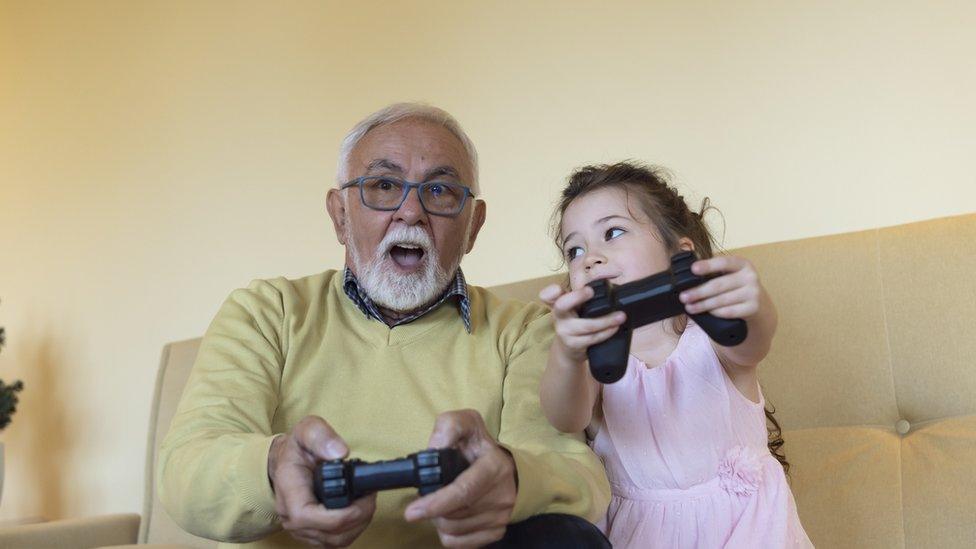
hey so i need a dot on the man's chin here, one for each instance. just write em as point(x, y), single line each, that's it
point(402, 288)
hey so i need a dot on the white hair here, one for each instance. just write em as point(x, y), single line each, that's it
point(401, 111)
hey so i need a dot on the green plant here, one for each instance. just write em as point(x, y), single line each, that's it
point(8, 393)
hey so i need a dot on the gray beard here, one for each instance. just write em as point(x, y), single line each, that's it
point(401, 292)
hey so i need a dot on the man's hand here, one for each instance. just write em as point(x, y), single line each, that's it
point(474, 510)
point(291, 461)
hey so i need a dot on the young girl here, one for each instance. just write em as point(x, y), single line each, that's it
point(683, 434)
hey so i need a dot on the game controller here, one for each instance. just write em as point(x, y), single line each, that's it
point(645, 301)
point(337, 483)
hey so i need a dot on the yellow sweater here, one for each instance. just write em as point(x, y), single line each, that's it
point(284, 349)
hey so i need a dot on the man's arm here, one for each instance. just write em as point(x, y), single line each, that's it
point(213, 469)
point(557, 472)
point(535, 470)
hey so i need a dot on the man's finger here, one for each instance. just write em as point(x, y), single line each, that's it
point(467, 524)
point(468, 487)
point(452, 427)
point(314, 435)
point(309, 537)
point(476, 539)
point(317, 517)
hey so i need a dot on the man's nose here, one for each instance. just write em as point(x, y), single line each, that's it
point(411, 211)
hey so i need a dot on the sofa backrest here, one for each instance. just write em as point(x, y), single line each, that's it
point(873, 375)
point(871, 371)
point(174, 370)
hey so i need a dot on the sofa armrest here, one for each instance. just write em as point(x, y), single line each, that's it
point(78, 533)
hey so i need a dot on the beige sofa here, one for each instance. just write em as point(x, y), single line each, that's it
point(872, 371)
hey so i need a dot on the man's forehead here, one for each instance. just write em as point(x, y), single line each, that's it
point(411, 144)
point(386, 165)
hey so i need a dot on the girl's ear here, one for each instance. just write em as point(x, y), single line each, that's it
point(685, 244)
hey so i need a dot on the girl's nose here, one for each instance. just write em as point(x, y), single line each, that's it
point(593, 259)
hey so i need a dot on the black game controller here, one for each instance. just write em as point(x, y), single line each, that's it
point(645, 301)
point(337, 483)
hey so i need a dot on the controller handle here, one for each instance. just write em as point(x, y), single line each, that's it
point(608, 359)
point(727, 332)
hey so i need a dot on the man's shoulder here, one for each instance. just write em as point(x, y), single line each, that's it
point(285, 292)
point(503, 311)
point(495, 301)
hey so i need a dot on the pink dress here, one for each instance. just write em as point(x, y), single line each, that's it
point(687, 459)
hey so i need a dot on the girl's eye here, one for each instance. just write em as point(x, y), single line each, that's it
point(613, 233)
point(574, 252)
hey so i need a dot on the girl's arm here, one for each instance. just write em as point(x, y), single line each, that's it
point(568, 392)
point(737, 293)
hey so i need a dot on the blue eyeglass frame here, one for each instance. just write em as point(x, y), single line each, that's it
point(407, 186)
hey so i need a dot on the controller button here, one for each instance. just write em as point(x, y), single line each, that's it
point(430, 475)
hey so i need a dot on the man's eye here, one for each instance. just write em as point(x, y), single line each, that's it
point(613, 233)
point(436, 189)
point(574, 252)
point(386, 184)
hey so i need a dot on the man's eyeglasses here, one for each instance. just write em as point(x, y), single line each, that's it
point(387, 193)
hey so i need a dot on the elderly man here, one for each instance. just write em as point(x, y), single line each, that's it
point(394, 354)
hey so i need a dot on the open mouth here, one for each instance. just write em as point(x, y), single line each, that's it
point(407, 256)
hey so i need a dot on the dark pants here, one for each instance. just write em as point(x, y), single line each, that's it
point(552, 532)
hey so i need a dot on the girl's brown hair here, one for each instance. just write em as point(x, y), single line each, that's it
point(670, 215)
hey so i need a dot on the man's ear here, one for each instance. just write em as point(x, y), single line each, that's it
point(336, 206)
point(476, 223)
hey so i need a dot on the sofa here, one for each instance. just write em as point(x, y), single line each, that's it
point(872, 374)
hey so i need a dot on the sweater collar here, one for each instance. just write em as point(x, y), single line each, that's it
point(458, 287)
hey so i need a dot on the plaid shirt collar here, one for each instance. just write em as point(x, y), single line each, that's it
point(457, 288)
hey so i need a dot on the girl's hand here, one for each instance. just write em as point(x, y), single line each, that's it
point(575, 334)
point(735, 293)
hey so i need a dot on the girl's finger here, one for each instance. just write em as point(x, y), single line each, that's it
point(567, 304)
point(718, 264)
point(713, 287)
point(727, 299)
point(578, 327)
point(592, 339)
point(551, 293)
point(739, 310)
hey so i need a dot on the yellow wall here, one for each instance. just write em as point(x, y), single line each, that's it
point(155, 155)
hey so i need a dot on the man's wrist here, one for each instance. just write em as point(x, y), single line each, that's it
point(511, 460)
point(273, 452)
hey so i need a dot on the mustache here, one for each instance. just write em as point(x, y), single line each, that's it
point(411, 235)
